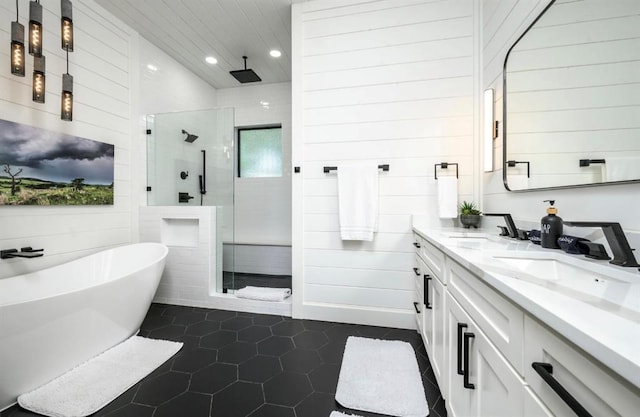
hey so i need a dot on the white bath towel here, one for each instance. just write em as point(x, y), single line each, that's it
point(447, 197)
point(621, 168)
point(358, 201)
point(339, 414)
point(263, 293)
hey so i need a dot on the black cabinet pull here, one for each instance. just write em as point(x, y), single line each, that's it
point(416, 271)
point(465, 380)
point(427, 304)
point(416, 244)
point(461, 327)
point(415, 305)
point(545, 371)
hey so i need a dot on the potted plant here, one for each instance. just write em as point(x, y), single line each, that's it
point(469, 214)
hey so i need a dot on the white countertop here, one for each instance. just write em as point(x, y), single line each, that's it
point(610, 337)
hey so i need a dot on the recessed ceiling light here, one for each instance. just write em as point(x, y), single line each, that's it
point(152, 67)
point(275, 53)
point(211, 60)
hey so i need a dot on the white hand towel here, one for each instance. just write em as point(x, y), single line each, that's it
point(358, 201)
point(621, 168)
point(447, 197)
point(263, 293)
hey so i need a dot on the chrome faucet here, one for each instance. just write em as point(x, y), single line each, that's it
point(622, 252)
point(511, 226)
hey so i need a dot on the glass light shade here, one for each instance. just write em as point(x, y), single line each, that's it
point(39, 80)
point(35, 28)
point(17, 49)
point(66, 106)
point(66, 25)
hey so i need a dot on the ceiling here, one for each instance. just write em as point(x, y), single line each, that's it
point(191, 30)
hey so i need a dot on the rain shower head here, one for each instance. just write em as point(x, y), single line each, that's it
point(190, 138)
point(245, 75)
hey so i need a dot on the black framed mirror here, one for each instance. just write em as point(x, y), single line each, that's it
point(571, 101)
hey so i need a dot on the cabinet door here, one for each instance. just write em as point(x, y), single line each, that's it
point(418, 299)
point(598, 391)
point(491, 387)
point(438, 339)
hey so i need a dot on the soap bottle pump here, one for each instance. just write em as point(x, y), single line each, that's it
point(550, 227)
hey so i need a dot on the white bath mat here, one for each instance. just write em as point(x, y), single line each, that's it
point(381, 376)
point(90, 386)
point(339, 414)
point(263, 293)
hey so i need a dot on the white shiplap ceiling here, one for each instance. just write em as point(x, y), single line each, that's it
point(190, 30)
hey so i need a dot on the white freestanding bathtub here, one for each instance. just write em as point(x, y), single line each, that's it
point(55, 319)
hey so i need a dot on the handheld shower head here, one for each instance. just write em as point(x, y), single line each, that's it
point(190, 138)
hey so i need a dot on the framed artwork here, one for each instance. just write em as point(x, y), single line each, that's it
point(40, 167)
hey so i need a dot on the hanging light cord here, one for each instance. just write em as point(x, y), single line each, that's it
point(17, 14)
point(67, 48)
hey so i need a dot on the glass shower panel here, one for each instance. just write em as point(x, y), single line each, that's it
point(190, 162)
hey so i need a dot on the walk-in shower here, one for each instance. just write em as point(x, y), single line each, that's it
point(186, 170)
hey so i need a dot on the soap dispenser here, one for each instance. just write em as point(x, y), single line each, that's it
point(550, 227)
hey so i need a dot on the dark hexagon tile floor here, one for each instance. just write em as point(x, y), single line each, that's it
point(249, 365)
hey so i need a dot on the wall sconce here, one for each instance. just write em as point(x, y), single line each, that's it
point(35, 28)
point(66, 24)
point(38, 87)
point(490, 129)
point(17, 46)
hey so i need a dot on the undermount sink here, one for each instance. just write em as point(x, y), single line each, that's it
point(598, 284)
point(467, 235)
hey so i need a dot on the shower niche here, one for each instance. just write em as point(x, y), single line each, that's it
point(190, 169)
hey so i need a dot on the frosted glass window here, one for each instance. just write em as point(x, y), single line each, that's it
point(260, 152)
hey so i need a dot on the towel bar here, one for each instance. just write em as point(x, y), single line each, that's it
point(326, 170)
point(588, 162)
point(444, 165)
point(513, 163)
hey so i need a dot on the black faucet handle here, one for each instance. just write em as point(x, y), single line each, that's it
point(29, 249)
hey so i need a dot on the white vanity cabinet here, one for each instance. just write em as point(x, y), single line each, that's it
point(481, 381)
point(482, 346)
point(430, 290)
point(595, 390)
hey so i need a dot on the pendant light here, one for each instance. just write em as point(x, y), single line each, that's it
point(35, 28)
point(17, 46)
point(38, 87)
point(66, 24)
point(66, 106)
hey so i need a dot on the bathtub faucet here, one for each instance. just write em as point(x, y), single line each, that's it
point(26, 252)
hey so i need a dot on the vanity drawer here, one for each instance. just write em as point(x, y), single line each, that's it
point(432, 256)
point(501, 321)
point(594, 388)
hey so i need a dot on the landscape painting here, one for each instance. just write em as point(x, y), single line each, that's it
point(40, 167)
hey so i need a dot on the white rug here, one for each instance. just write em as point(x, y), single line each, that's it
point(381, 376)
point(90, 386)
point(339, 414)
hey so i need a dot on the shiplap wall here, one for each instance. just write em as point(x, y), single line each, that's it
point(104, 96)
point(503, 22)
point(385, 81)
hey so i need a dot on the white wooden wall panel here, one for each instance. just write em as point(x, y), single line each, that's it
point(361, 278)
point(103, 65)
point(390, 82)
